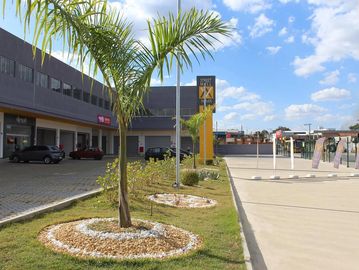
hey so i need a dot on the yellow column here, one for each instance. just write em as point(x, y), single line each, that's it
point(209, 139)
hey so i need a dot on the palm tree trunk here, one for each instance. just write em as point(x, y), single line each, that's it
point(194, 155)
point(124, 218)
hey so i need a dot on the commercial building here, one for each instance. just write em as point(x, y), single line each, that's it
point(53, 103)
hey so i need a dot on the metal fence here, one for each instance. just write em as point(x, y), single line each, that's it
point(348, 157)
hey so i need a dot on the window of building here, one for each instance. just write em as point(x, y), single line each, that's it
point(26, 74)
point(55, 85)
point(78, 93)
point(86, 97)
point(7, 66)
point(100, 102)
point(107, 104)
point(93, 99)
point(41, 80)
point(67, 89)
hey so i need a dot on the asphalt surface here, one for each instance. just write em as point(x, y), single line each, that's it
point(27, 186)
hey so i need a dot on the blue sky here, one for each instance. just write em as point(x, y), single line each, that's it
point(290, 62)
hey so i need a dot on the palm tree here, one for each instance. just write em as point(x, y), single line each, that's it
point(193, 125)
point(94, 32)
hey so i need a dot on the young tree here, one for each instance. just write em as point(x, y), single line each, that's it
point(94, 32)
point(193, 125)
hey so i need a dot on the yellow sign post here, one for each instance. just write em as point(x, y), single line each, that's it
point(206, 95)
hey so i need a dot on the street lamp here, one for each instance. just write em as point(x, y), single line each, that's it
point(178, 113)
point(309, 124)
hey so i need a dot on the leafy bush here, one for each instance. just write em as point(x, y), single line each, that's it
point(109, 182)
point(190, 177)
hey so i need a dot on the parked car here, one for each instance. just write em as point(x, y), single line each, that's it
point(184, 152)
point(159, 153)
point(46, 153)
point(91, 152)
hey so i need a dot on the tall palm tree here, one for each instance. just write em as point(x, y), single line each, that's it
point(193, 125)
point(93, 31)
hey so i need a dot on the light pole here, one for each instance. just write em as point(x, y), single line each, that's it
point(178, 113)
point(204, 125)
point(309, 143)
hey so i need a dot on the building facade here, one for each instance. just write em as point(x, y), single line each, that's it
point(53, 103)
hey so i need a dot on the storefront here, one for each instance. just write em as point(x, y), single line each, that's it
point(19, 132)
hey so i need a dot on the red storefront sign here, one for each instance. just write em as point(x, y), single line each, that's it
point(104, 120)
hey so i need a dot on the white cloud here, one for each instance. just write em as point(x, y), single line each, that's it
point(332, 93)
point(230, 116)
point(331, 78)
point(283, 32)
point(306, 66)
point(352, 78)
point(273, 50)
point(248, 105)
point(288, 1)
point(251, 6)
point(140, 11)
point(289, 39)
point(269, 118)
point(261, 26)
point(291, 19)
point(334, 35)
point(299, 111)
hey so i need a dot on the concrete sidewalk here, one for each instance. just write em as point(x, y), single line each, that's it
point(306, 223)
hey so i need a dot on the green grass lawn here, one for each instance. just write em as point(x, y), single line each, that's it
point(217, 227)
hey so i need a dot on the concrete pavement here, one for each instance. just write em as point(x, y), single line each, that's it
point(26, 187)
point(306, 223)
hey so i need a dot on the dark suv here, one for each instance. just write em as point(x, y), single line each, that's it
point(159, 153)
point(45, 153)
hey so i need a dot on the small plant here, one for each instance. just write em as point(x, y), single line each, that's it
point(208, 175)
point(190, 177)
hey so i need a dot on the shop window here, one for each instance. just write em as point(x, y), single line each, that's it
point(26, 74)
point(55, 85)
point(93, 100)
point(78, 94)
point(100, 102)
point(7, 66)
point(86, 97)
point(41, 80)
point(67, 89)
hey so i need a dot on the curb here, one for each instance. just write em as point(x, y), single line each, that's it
point(246, 254)
point(49, 207)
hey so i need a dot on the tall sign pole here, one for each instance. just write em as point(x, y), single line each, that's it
point(291, 153)
point(178, 113)
point(204, 126)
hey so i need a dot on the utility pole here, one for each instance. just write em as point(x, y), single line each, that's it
point(178, 113)
point(309, 142)
point(204, 125)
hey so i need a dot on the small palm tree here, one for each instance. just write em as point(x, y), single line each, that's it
point(193, 125)
point(94, 32)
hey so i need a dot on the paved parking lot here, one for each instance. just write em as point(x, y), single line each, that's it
point(25, 187)
point(302, 224)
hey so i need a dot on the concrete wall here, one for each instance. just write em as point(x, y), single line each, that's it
point(27, 96)
point(244, 149)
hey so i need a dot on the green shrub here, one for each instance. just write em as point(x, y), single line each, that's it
point(109, 182)
point(190, 177)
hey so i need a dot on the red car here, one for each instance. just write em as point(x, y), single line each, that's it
point(95, 153)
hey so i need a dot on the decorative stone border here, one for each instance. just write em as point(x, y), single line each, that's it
point(158, 231)
point(182, 200)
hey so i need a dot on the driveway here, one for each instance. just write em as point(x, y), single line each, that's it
point(25, 187)
point(306, 223)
